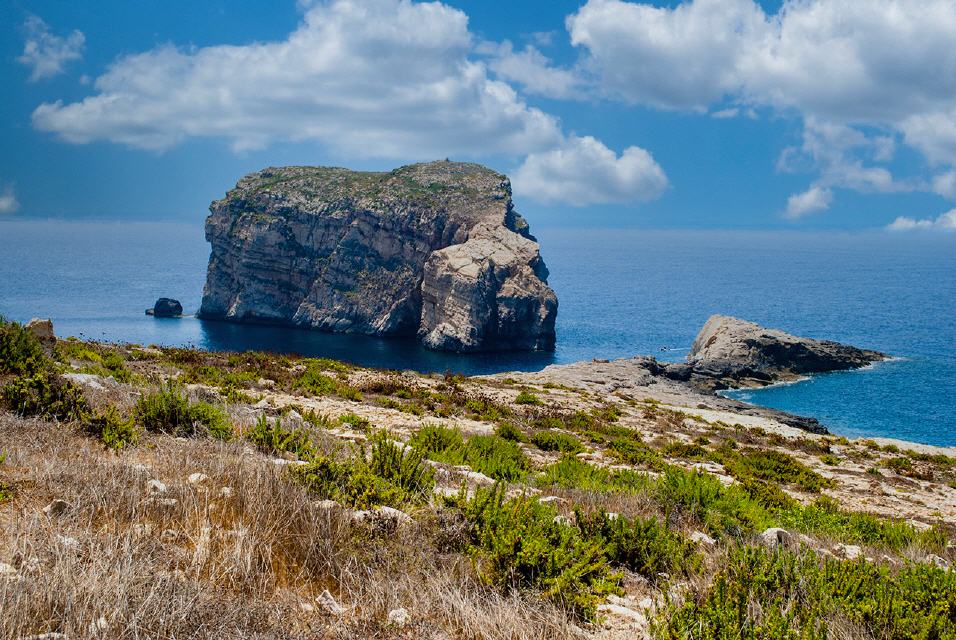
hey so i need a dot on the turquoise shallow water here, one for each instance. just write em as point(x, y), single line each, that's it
point(621, 292)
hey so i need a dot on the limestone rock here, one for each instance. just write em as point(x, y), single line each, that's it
point(399, 617)
point(56, 508)
point(431, 250)
point(42, 330)
point(776, 537)
point(328, 604)
point(702, 539)
point(729, 352)
point(166, 308)
point(847, 551)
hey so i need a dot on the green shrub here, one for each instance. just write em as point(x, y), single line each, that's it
point(824, 517)
point(643, 546)
point(115, 431)
point(317, 383)
point(509, 431)
point(520, 546)
point(781, 594)
point(355, 421)
point(632, 451)
point(487, 410)
point(489, 454)
point(271, 436)
point(20, 352)
point(526, 397)
point(572, 473)
point(435, 440)
point(391, 477)
point(772, 466)
point(169, 411)
point(702, 497)
point(901, 465)
point(496, 457)
point(556, 441)
point(677, 449)
point(44, 393)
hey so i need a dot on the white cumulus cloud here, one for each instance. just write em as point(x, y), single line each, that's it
point(584, 171)
point(533, 71)
point(46, 53)
point(8, 201)
point(863, 73)
point(944, 222)
point(812, 200)
point(385, 78)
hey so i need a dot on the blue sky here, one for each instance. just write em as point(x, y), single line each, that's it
point(819, 114)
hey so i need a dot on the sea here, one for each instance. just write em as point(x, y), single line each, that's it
point(621, 292)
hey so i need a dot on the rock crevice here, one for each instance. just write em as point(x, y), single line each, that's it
point(431, 250)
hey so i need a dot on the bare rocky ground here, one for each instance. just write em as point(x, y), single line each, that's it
point(199, 538)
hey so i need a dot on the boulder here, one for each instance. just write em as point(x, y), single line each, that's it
point(399, 617)
point(42, 330)
point(729, 352)
point(432, 250)
point(166, 308)
point(776, 537)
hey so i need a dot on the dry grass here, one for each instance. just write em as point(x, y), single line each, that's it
point(120, 564)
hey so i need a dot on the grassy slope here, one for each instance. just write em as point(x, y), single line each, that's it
point(479, 564)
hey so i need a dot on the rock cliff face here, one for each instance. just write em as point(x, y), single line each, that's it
point(729, 352)
point(434, 250)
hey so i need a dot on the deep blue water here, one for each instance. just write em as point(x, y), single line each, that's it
point(621, 292)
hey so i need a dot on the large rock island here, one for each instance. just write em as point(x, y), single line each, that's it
point(435, 250)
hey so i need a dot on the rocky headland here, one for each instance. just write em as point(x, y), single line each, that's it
point(432, 250)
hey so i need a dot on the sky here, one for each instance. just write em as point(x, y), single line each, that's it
point(802, 114)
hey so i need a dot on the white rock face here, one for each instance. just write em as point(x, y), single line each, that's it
point(734, 352)
point(434, 250)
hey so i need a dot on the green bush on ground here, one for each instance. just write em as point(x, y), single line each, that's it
point(572, 473)
point(556, 441)
point(782, 594)
point(112, 429)
point(169, 411)
point(489, 454)
point(644, 546)
point(391, 476)
point(519, 545)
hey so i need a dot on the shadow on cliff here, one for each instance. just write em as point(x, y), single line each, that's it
point(368, 351)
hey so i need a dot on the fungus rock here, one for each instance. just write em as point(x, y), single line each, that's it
point(430, 250)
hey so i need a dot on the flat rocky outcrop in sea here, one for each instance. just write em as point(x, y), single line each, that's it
point(730, 352)
point(435, 250)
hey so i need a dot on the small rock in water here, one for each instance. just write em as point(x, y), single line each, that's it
point(399, 617)
point(328, 604)
point(166, 308)
point(56, 508)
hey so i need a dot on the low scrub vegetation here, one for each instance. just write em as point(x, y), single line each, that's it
point(168, 410)
point(782, 594)
point(391, 475)
point(489, 454)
